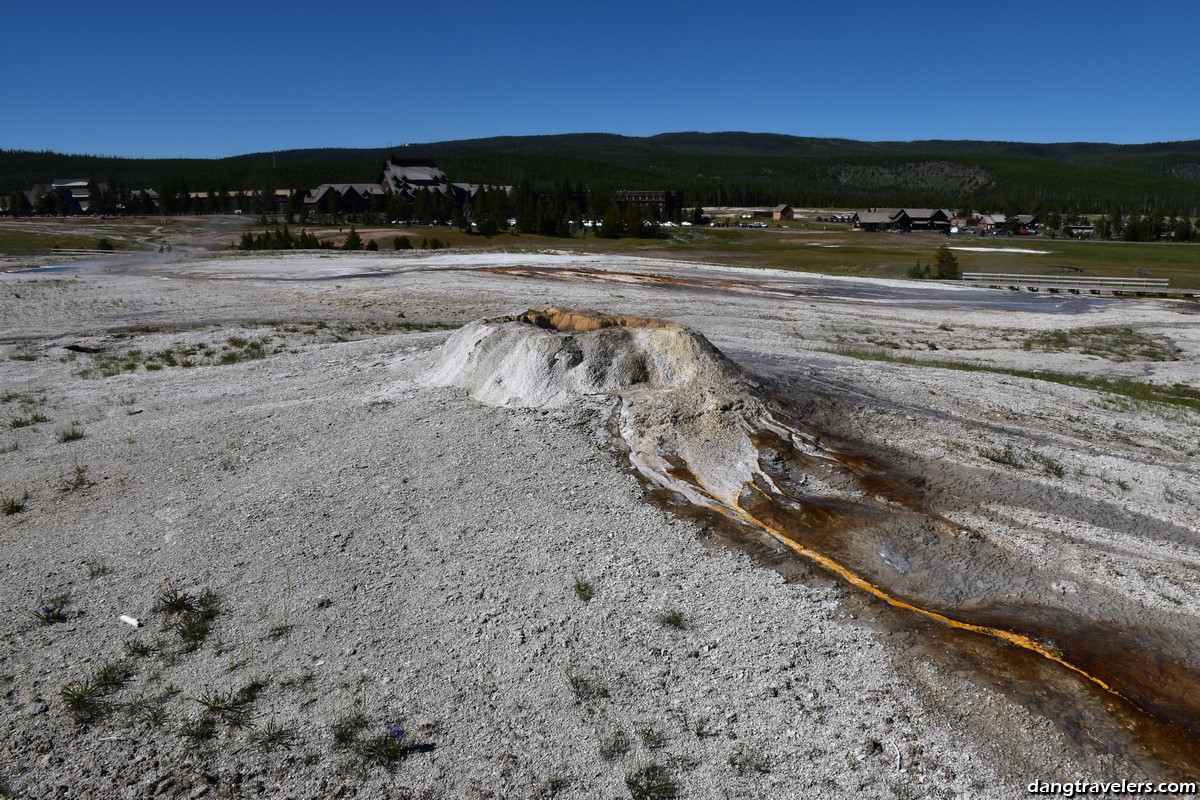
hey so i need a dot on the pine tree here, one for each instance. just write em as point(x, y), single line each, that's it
point(945, 264)
point(353, 241)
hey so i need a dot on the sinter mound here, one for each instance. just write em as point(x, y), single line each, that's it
point(695, 424)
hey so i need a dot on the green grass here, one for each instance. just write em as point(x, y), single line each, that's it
point(614, 746)
point(672, 618)
point(71, 434)
point(651, 782)
point(586, 687)
point(232, 707)
point(584, 589)
point(13, 503)
point(1114, 344)
point(1178, 394)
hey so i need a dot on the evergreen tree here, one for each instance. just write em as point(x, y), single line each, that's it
point(353, 241)
point(945, 264)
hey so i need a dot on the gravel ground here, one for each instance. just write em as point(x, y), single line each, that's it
point(378, 551)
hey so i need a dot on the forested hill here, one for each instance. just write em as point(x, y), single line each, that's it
point(711, 169)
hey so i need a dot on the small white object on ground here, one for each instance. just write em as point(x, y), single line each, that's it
point(130, 621)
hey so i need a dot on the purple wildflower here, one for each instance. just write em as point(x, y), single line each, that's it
point(396, 730)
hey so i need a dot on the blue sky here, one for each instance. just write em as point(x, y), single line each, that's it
point(221, 78)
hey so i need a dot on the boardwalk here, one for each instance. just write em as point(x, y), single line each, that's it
point(1072, 284)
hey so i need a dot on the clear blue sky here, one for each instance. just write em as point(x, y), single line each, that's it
point(219, 78)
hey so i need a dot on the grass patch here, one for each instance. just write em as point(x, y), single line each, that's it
point(199, 731)
point(1002, 455)
point(87, 701)
point(273, 736)
point(25, 422)
point(672, 618)
point(84, 701)
point(586, 687)
point(13, 503)
point(653, 738)
point(346, 730)
point(1177, 394)
point(651, 782)
point(232, 707)
point(71, 434)
point(77, 478)
point(1050, 466)
point(190, 618)
point(584, 589)
point(1114, 344)
point(615, 746)
point(746, 762)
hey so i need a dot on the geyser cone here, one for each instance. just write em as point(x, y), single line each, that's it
point(696, 425)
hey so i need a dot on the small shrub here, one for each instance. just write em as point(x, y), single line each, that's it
point(25, 422)
point(652, 782)
point(96, 568)
point(584, 589)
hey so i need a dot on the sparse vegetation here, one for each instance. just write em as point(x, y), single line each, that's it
point(672, 618)
point(71, 434)
point(347, 729)
point(651, 782)
point(25, 422)
point(615, 746)
point(652, 737)
point(1114, 344)
point(1002, 455)
point(84, 701)
point(586, 688)
point(746, 761)
point(584, 589)
point(190, 618)
point(76, 479)
point(232, 707)
point(53, 610)
point(13, 503)
point(1177, 394)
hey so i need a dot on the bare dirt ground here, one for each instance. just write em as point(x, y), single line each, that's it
point(245, 454)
